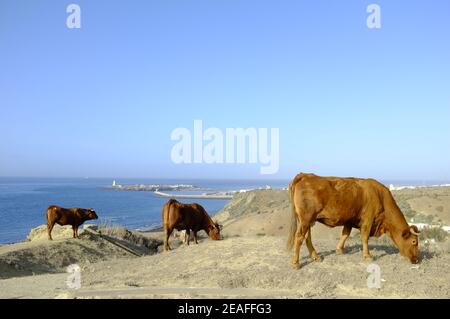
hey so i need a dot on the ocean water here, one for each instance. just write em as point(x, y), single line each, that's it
point(23, 201)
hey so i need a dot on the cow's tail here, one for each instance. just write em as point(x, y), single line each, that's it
point(165, 214)
point(293, 226)
point(48, 214)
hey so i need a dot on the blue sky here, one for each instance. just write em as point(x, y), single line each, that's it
point(102, 101)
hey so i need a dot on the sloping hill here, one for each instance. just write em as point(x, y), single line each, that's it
point(247, 267)
point(39, 256)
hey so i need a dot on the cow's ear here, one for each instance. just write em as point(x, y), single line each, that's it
point(406, 233)
point(414, 230)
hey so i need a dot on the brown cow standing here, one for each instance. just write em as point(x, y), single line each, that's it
point(350, 202)
point(179, 216)
point(68, 216)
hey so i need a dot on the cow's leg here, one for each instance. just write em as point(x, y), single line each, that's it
point(312, 252)
point(187, 236)
point(50, 225)
point(365, 234)
point(195, 237)
point(167, 232)
point(300, 235)
point(74, 231)
point(345, 234)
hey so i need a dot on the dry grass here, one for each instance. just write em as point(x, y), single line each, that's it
point(436, 233)
point(128, 237)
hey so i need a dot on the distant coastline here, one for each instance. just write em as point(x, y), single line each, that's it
point(152, 187)
point(215, 195)
point(392, 187)
point(159, 190)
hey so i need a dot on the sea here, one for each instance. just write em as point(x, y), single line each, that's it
point(23, 201)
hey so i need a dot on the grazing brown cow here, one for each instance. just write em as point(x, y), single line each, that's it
point(179, 216)
point(350, 202)
point(68, 216)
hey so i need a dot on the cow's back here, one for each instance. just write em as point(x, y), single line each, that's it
point(60, 215)
point(335, 201)
point(193, 216)
point(185, 216)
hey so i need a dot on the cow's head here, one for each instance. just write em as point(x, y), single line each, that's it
point(214, 231)
point(409, 244)
point(91, 214)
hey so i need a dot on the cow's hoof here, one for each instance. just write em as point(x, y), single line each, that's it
point(339, 251)
point(316, 258)
point(296, 266)
point(368, 258)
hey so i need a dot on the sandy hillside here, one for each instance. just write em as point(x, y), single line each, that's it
point(247, 267)
point(431, 202)
point(252, 261)
point(38, 255)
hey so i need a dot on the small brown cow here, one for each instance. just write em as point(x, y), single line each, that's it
point(68, 216)
point(179, 216)
point(359, 203)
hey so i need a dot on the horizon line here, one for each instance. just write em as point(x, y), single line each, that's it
point(216, 179)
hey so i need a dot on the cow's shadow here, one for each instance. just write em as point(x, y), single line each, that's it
point(351, 249)
point(386, 250)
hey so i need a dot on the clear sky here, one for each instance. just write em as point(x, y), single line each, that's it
point(102, 101)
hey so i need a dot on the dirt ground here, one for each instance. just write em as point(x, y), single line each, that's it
point(247, 267)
